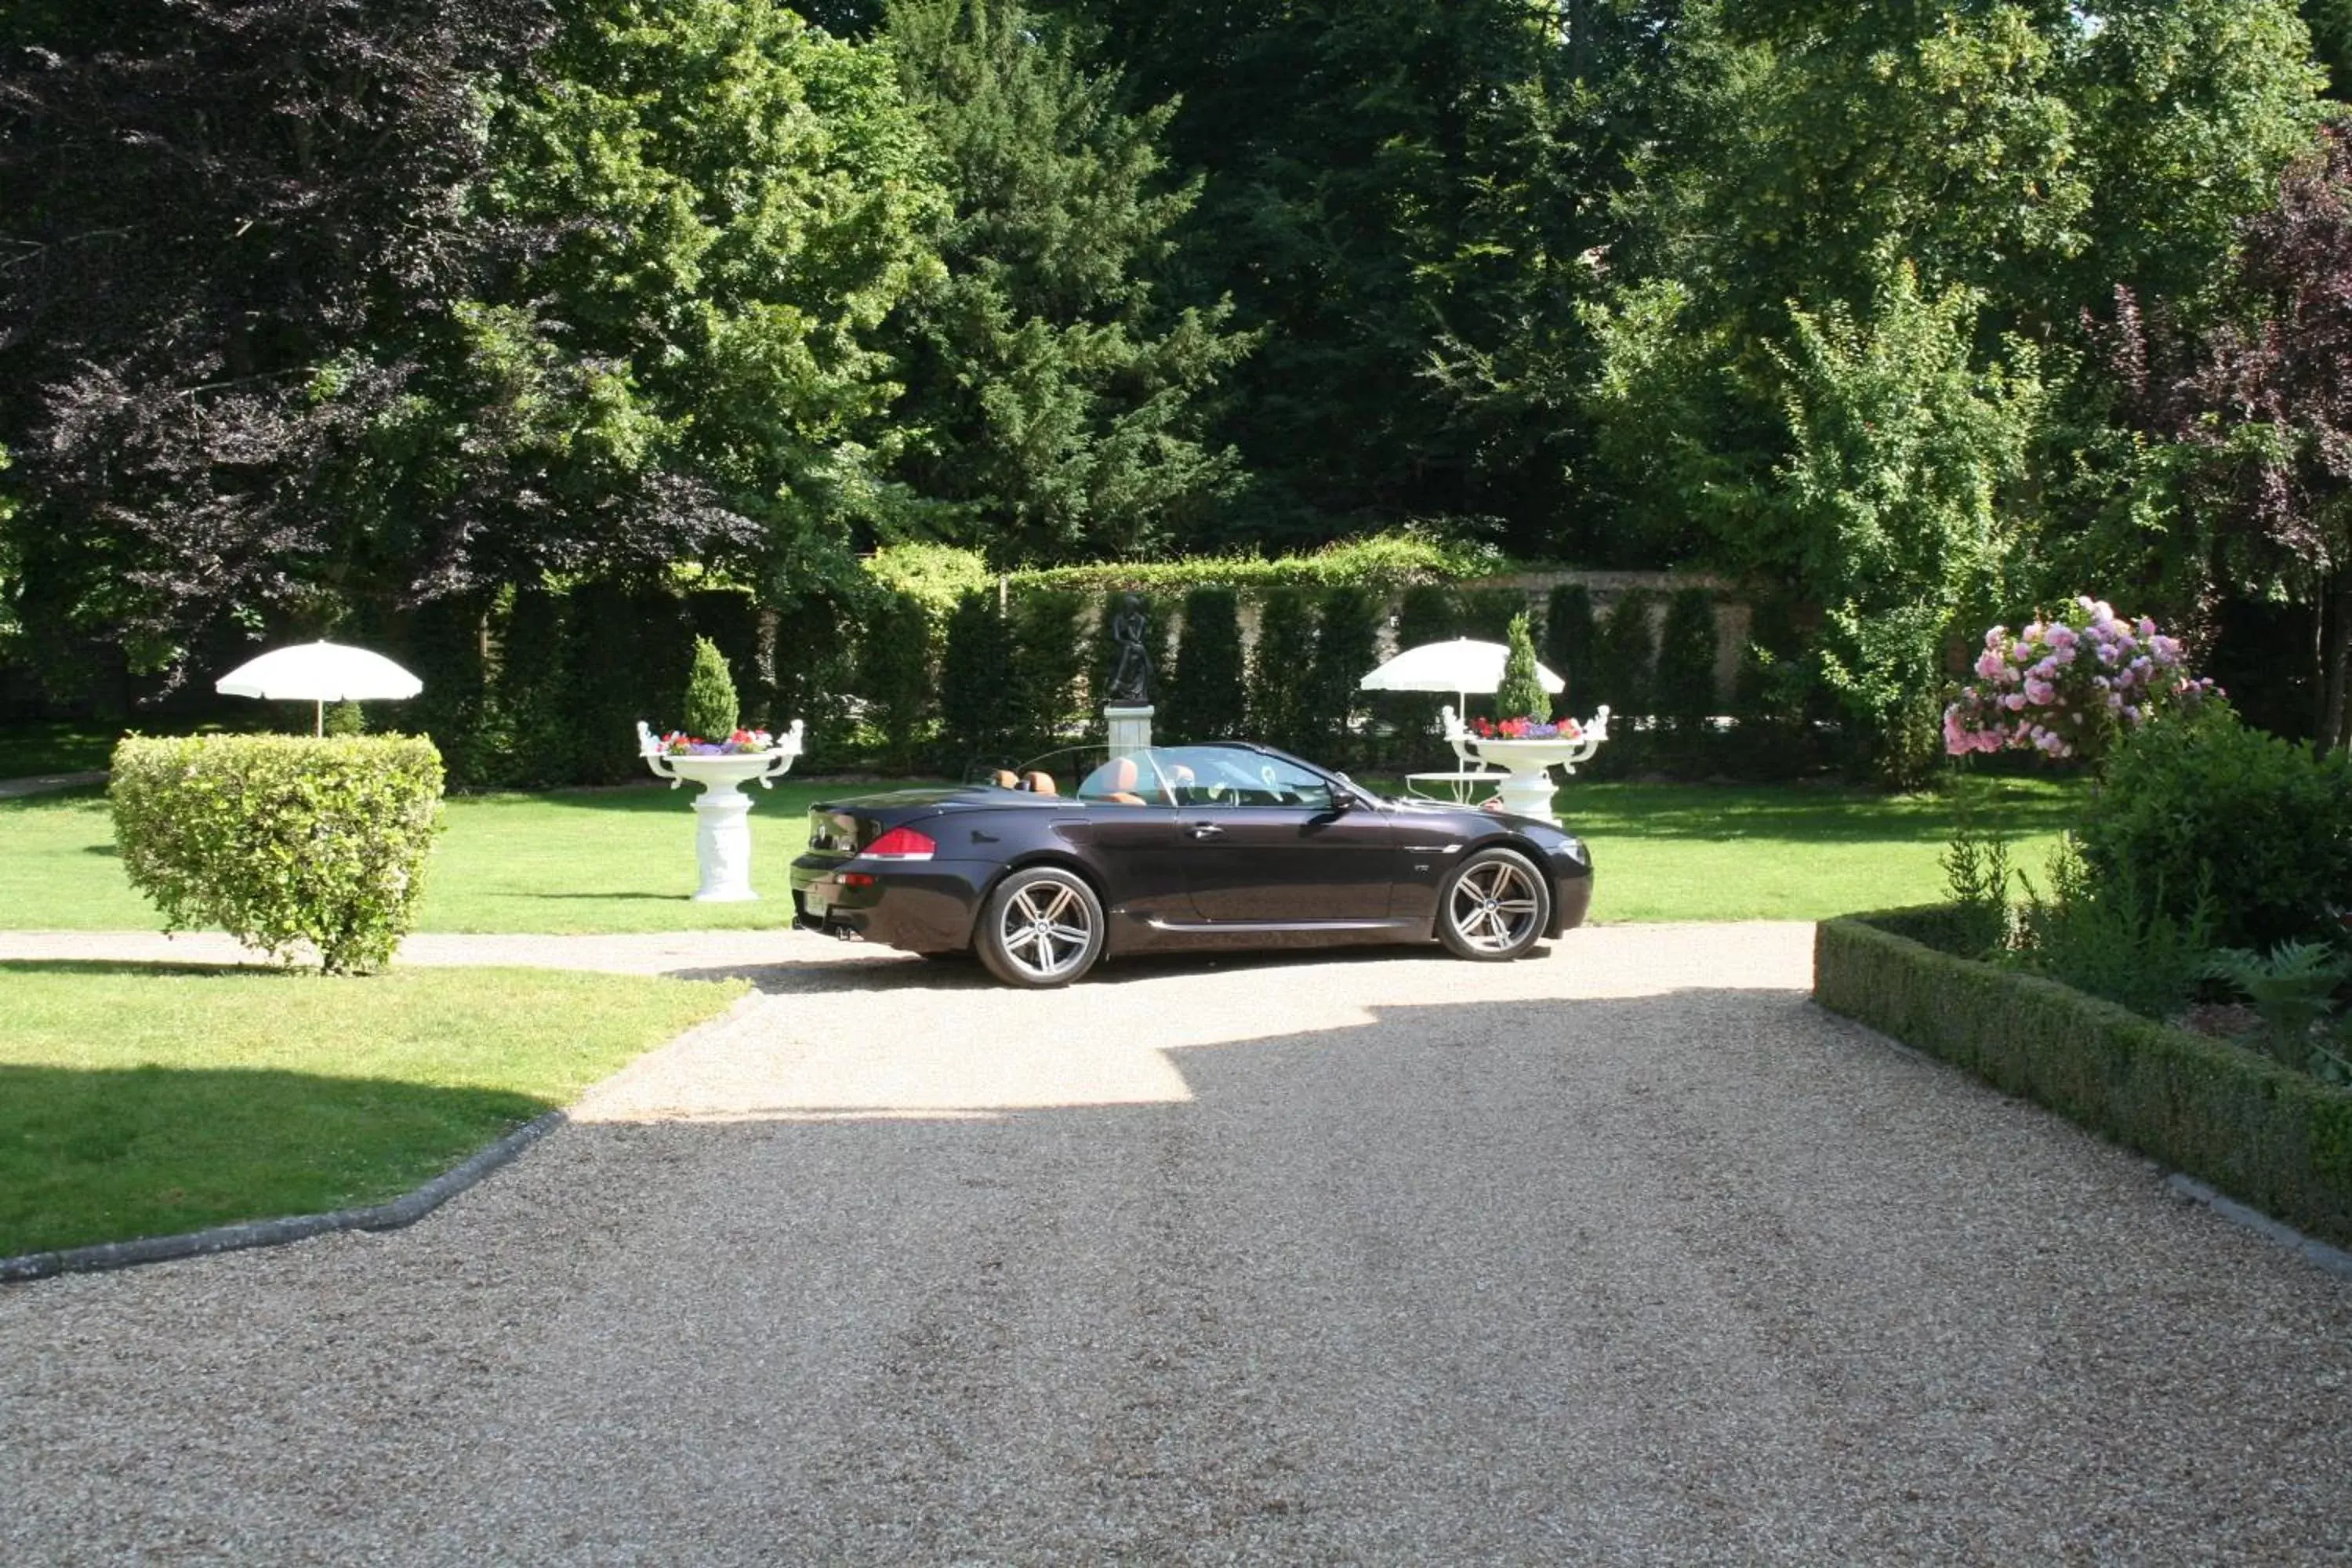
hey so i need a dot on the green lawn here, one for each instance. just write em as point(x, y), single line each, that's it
point(622, 859)
point(572, 860)
point(144, 1100)
point(149, 1099)
point(1703, 852)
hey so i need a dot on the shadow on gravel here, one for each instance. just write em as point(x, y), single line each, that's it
point(1703, 1276)
point(1456, 1283)
point(883, 970)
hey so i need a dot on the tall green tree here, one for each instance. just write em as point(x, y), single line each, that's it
point(1059, 400)
point(1848, 305)
point(1400, 198)
point(1889, 511)
point(739, 202)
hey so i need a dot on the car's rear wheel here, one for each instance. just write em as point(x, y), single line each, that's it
point(1494, 907)
point(1043, 927)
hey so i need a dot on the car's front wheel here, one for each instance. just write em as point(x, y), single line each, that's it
point(1043, 927)
point(1495, 906)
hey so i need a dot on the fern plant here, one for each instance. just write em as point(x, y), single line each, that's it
point(2292, 988)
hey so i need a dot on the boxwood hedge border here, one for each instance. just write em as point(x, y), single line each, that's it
point(2269, 1137)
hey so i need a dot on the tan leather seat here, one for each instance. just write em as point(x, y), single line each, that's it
point(1113, 781)
point(1039, 784)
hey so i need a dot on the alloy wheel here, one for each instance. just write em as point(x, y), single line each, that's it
point(1046, 930)
point(1494, 906)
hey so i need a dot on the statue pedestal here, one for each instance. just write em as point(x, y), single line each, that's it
point(1130, 728)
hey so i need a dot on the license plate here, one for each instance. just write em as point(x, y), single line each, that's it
point(813, 902)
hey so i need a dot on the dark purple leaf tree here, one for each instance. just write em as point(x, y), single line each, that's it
point(2267, 402)
point(226, 228)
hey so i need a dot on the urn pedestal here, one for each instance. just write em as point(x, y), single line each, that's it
point(722, 833)
point(1131, 729)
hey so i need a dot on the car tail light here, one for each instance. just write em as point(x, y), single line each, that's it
point(900, 844)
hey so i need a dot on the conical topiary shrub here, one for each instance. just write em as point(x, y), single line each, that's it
point(1521, 694)
point(710, 694)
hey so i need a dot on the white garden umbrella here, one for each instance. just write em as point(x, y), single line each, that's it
point(320, 673)
point(1461, 666)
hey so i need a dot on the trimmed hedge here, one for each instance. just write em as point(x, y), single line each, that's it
point(2265, 1135)
point(280, 840)
point(1568, 639)
point(978, 705)
point(1383, 560)
point(1279, 670)
point(1206, 699)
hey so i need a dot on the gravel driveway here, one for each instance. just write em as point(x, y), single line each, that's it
point(1625, 1254)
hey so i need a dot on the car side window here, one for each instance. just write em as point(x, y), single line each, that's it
point(1270, 781)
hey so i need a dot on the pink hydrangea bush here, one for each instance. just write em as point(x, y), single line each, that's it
point(2066, 684)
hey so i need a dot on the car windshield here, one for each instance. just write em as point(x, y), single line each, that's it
point(1209, 776)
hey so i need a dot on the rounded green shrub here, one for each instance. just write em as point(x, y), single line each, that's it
point(281, 839)
point(2210, 808)
point(1049, 666)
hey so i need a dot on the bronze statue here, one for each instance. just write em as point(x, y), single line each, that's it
point(1131, 677)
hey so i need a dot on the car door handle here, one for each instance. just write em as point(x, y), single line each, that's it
point(1207, 830)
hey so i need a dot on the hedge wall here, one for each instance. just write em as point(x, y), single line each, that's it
point(2265, 1135)
point(543, 685)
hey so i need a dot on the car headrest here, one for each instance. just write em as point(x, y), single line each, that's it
point(1115, 778)
point(1039, 783)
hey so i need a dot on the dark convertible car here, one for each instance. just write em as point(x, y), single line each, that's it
point(1044, 870)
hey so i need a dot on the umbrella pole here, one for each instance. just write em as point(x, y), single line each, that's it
point(318, 719)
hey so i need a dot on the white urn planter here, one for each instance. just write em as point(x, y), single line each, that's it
point(1526, 790)
point(722, 833)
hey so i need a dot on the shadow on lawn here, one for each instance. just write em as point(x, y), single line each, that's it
point(107, 1154)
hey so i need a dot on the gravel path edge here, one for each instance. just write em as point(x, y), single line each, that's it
point(404, 1210)
point(2317, 1252)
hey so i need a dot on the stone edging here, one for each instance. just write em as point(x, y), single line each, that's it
point(2220, 1120)
point(401, 1211)
point(2316, 1253)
